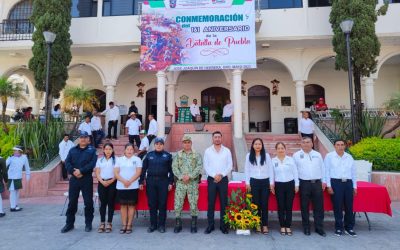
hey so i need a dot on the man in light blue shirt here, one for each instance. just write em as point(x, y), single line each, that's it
point(342, 185)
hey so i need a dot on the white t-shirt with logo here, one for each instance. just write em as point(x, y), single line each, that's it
point(133, 126)
point(127, 169)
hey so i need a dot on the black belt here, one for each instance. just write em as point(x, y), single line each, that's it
point(341, 180)
point(107, 179)
point(311, 181)
point(212, 178)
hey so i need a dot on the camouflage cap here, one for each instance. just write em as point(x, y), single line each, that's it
point(186, 138)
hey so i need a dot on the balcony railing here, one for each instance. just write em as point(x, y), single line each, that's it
point(14, 30)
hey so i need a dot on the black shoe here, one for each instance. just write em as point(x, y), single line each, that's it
point(193, 225)
point(338, 232)
point(2, 214)
point(209, 229)
point(151, 229)
point(88, 228)
point(307, 231)
point(320, 232)
point(161, 229)
point(67, 228)
point(224, 230)
point(178, 225)
point(16, 209)
point(350, 232)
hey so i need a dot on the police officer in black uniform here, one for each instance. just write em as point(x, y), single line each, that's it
point(157, 171)
point(80, 163)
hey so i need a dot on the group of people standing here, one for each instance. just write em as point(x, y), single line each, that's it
point(307, 173)
point(120, 179)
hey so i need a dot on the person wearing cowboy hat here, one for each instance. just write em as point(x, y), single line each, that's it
point(132, 128)
point(15, 165)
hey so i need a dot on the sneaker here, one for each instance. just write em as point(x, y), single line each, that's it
point(351, 232)
point(338, 232)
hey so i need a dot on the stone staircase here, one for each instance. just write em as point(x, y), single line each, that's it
point(292, 141)
point(62, 186)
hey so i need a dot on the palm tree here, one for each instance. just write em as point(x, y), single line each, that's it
point(9, 89)
point(79, 97)
point(393, 104)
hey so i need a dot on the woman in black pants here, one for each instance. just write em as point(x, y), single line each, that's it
point(284, 185)
point(106, 187)
point(258, 170)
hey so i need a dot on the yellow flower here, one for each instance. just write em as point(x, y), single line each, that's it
point(238, 217)
point(247, 212)
point(253, 206)
point(256, 219)
point(249, 195)
point(246, 222)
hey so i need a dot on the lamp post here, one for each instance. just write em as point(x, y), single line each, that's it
point(346, 27)
point(49, 37)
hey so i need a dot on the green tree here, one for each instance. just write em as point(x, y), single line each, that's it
point(364, 43)
point(9, 89)
point(393, 104)
point(79, 97)
point(54, 16)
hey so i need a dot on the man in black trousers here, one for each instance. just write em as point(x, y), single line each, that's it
point(217, 165)
point(311, 169)
point(80, 163)
point(157, 171)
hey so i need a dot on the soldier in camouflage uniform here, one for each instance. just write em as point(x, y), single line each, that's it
point(187, 166)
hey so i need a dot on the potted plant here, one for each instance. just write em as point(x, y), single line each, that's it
point(241, 213)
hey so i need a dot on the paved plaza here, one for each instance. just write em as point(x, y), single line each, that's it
point(38, 227)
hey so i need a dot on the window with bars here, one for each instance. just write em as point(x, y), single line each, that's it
point(18, 19)
point(280, 4)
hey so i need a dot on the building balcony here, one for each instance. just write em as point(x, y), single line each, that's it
point(15, 30)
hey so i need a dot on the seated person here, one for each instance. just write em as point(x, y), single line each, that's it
point(321, 106)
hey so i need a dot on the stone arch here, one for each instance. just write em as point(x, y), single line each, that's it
point(89, 64)
point(383, 60)
point(280, 61)
point(314, 62)
point(25, 73)
point(312, 92)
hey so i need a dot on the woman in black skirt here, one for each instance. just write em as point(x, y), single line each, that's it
point(106, 187)
point(258, 171)
point(127, 171)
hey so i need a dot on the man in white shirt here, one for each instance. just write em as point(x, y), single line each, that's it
point(227, 111)
point(311, 171)
point(112, 117)
point(342, 185)
point(65, 145)
point(87, 127)
point(132, 128)
point(97, 131)
point(144, 144)
point(217, 165)
point(194, 110)
point(153, 128)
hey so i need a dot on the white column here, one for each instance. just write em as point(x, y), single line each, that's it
point(237, 102)
point(161, 80)
point(300, 99)
point(99, 8)
point(369, 92)
point(110, 91)
point(171, 99)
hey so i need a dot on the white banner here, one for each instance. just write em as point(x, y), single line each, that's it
point(198, 35)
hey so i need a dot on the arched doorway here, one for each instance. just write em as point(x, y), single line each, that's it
point(214, 98)
point(259, 109)
point(151, 105)
point(18, 18)
point(312, 93)
point(101, 97)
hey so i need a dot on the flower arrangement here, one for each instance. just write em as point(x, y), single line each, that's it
point(241, 214)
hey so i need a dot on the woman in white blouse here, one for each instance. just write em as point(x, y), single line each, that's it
point(106, 187)
point(306, 125)
point(127, 171)
point(258, 171)
point(284, 186)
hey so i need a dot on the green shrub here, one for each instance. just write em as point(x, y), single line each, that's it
point(383, 153)
point(7, 142)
